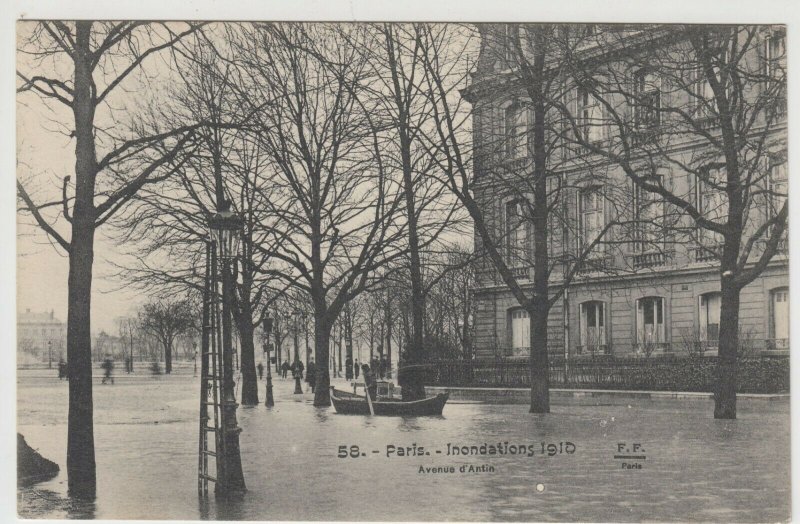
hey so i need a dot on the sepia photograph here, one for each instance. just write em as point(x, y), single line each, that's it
point(496, 270)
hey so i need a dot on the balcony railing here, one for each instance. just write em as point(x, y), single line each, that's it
point(704, 255)
point(593, 349)
point(776, 344)
point(645, 260)
point(521, 272)
point(643, 137)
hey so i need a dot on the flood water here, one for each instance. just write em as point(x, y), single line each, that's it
point(146, 434)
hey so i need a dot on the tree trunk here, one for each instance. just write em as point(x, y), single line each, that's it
point(539, 361)
point(80, 432)
point(167, 357)
point(540, 306)
point(322, 393)
point(413, 386)
point(388, 335)
point(248, 365)
point(728, 359)
point(81, 474)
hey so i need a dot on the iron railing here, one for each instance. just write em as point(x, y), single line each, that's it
point(764, 373)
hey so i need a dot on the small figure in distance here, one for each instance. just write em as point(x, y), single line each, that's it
point(108, 367)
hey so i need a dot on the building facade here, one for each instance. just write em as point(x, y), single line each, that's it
point(41, 337)
point(635, 276)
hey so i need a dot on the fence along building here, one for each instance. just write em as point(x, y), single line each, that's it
point(651, 286)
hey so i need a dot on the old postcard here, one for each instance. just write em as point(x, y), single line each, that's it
point(516, 270)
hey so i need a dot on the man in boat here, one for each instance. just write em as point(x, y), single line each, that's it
point(348, 368)
point(370, 383)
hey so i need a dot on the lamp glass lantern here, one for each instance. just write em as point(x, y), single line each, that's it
point(225, 227)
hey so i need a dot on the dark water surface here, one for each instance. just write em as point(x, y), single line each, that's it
point(146, 433)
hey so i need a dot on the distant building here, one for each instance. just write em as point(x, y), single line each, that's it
point(40, 336)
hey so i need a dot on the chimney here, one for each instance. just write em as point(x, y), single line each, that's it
point(52, 312)
point(27, 310)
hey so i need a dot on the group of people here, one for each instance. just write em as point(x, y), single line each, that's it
point(297, 368)
point(378, 370)
point(379, 366)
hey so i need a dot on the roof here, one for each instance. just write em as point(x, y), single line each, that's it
point(33, 317)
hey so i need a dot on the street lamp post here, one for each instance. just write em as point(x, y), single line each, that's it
point(270, 402)
point(225, 227)
point(267, 330)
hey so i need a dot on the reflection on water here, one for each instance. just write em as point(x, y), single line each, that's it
point(696, 468)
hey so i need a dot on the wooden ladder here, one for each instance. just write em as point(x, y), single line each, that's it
point(210, 381)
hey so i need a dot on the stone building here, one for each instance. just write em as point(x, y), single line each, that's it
point(652, 284)
point(40, 336)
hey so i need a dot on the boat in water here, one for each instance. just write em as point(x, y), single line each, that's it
point(351, 404)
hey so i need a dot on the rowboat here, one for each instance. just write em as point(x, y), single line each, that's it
point(350, 404)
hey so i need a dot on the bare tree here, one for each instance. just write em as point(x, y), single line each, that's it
point(167, 228)
point(520, 165)
point(166, 320)
point(78, 67)
point(705, 104)
point(337, 220)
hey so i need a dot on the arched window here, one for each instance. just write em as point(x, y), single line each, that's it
point(516, 131)
point(593, 328)
point(591, 208)
point(519, 331)
point(708, 320)
point(779, 318)
point(517, 233)
point(650, 332)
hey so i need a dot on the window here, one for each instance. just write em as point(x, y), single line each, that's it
point(779, 319)
point(774, 54)
point(778, 185)
point(557, 230)
point(649, 226)
point(592, 215)
point(510, 32)
point(709, 318)
point(712, 203)
point(520, 330)
point(650, 333)
point(592, 117)
point(647, 103)
point(701, 97)
point(516, 233)
point(516, 131)
point(593, 328)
